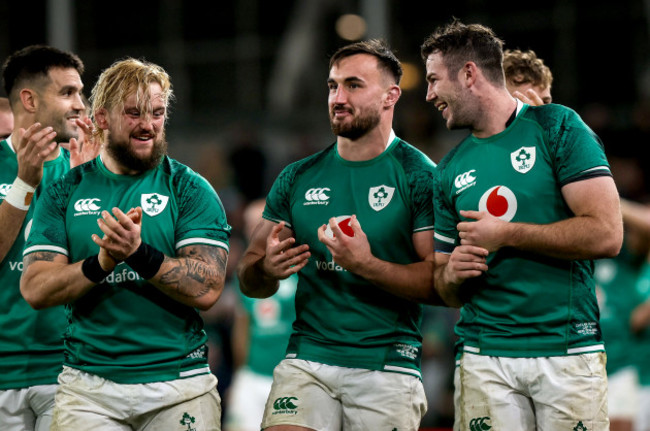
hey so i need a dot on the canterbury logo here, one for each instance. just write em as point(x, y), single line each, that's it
point(4, 189)
point(285, 403)
point(465, 179)
point(87, 205)
point(317, 194)
point(480, 424)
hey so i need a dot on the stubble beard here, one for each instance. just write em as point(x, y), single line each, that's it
point(359, 126)
point(123, 153)
point(64, 130)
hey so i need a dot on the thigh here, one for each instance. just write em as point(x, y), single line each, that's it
point(15, 411)
point(87, 402)
point(202, 413)
point(375, 400)
point(41, 400)
point(571, 392)
point(490, 395)
point(302, 395)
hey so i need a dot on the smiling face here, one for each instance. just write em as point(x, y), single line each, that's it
point(60, 103)
point(357, 89)
point(446, 92)
point(136, 130)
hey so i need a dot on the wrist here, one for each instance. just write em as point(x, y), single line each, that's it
point(20, 195)
point(146, 260)
point(92, 269)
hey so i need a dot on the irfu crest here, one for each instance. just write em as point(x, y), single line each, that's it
point(153, 203)
point(523, 159)
point(379, 197)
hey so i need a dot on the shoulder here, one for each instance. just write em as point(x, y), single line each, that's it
point(295, 169)
point(411, 158)
point(554, 116)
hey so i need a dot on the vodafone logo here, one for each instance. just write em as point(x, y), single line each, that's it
point(500, 202)
point(87, 206)
point(344, 224)
point(317, 196)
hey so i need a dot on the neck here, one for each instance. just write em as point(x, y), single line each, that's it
point(496, 107)
point(368, 146)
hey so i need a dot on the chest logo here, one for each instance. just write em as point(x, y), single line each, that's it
point(523, 159)
point(317, 196)
point(465, 180)
point(379, 197)
point(87, 207)
point(500, 202)
point(153, 203)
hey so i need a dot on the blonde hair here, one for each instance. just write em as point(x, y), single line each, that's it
point(125, 77)
point(524, 67)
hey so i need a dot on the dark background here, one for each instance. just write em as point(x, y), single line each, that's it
point(250, 84)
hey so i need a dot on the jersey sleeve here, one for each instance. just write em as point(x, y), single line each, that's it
point(578, 151)
point(201, 217)
point(47, 231)
point(421, 186)
point(278, 200)
point(445, 232)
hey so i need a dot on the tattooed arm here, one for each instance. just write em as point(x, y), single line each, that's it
point(49, 279)
point(195, 277)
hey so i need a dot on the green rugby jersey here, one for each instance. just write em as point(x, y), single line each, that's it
point(31, 347)
point(270, 326)
point(341, 318)
point(526, 305)
point(125, 329)
point(617, 296)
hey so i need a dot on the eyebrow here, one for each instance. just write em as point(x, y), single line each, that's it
point(347, 80)
point(65, 88)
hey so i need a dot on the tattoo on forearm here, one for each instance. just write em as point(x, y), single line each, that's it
point(198, 270)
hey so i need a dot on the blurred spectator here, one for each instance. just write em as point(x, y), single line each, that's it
point(260, 334)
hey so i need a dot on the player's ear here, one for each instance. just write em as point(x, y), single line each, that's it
point(392, 95)
point(29, 99)
point(468, 73)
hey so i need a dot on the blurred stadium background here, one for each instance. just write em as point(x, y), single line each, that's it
point(250, 83)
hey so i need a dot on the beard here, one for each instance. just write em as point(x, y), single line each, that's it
point(125, 155)
point(359, 126)
point(64, 130)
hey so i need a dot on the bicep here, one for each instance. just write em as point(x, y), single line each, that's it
point(594, 197)
point(45, 256)
point(208, 254)
point(423, 244)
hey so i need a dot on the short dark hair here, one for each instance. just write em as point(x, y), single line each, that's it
point(375, 47)
point(459, 43)
point(35, 61)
